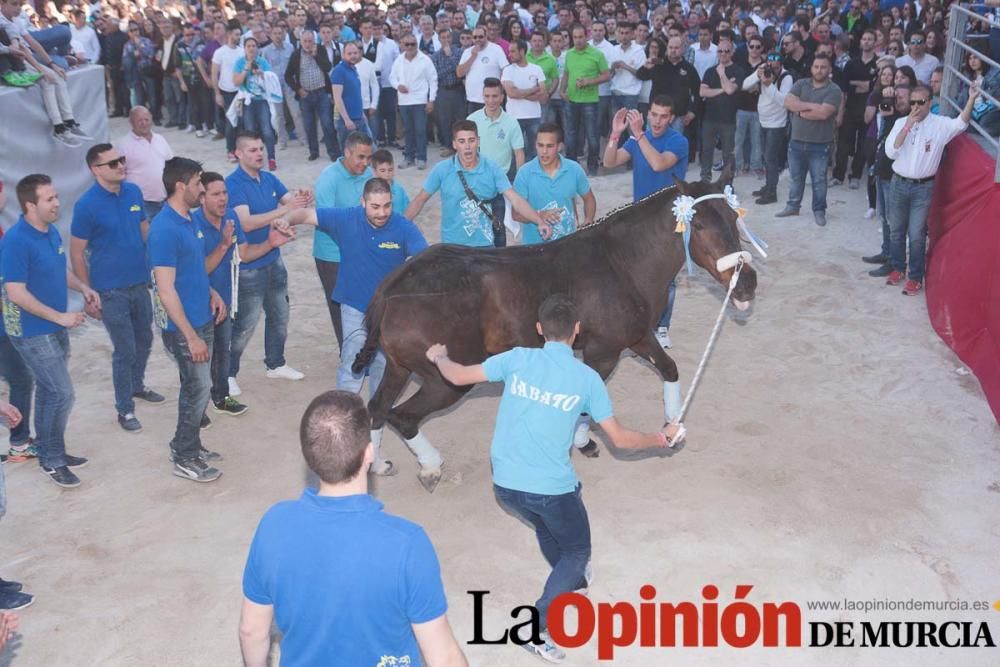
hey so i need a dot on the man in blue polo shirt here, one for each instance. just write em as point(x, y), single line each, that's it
point(659, 155)
point(374, 241)
point(339, 186)
point(545, 391)
point(186, 307)
point(345, 582)
point(259, 198)
point(109, 229)
point(223, 236)
point(35, 278)
point(348, 108)
point(466, 216)
point(552, 182)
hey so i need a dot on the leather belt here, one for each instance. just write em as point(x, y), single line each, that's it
point(918, 181)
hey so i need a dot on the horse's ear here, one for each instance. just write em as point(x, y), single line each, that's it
point(725, 178)
point(681, 185)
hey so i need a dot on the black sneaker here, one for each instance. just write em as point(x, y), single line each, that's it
point(206, 423)
point(148, 395)
point(62, 476)
point(759, 193)
point(10, 586)
point(765, 199)
point(15, 601)
point(75, 461)
point(129, 423)
point(229, 406)
point(196, 470)
point(875, 259)
point(881, 272)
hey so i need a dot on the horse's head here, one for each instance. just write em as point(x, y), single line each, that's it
point(715, 238)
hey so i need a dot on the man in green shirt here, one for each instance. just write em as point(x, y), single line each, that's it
point(537, 55)
point(586, 68)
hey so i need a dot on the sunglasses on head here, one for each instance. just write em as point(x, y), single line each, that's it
point(773, 57)
point(114, 164)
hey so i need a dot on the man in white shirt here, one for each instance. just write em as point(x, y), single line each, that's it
point(524, 84)
point(382, 52)
point(483, 60)
point(223, 65)
point(415, 79)
point(703, 54)
point(598, 32)
point(85, 36)
point(916, 143)
point(774, 83)
point(923, 63)
point(370, 87)
point(625, 60)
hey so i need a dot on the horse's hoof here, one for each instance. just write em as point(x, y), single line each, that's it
point(384, 468)
point(590, 450)
point(429, 478)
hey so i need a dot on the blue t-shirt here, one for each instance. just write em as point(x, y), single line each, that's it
point(112, 226)
point(253, 83)
point(346, 75)
point(370, 253)
point(261, 195)
point(346, 581)
point(37, 259)
point(645, 181)
point(462, 221)
point(544, 193)
point(176, 241)
point(546, 390)
point(336, 188)
point(220, 279)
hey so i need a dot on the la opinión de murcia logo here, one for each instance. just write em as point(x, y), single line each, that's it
point(573, 620)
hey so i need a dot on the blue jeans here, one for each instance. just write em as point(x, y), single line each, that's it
point(360, 125)
point(775, 150)
point(21, 383)
point(603, 115)
point(196, 384)
point(908, 206)
point(563, 531)
point(555, 112)
point(802, 157)
point(414, 131)
point(257, 118)
point(748, 127)
point(264, 289)
point(127, 314)
point(56, 42)
point(144, 94)
point(355, 335)
point(581, 125)
point(318, 104)
point(529, 128)
point(668, 312)
point(882, 187)
point(623, 102)
point(175, 100)
point(222, 336)
point(449, 108)
point(48, 358)
point(385, 117)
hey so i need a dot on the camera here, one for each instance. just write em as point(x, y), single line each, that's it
point(886, 106)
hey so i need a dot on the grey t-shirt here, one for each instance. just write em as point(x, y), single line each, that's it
point(815, 131)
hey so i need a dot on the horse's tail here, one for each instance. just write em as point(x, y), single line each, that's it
point(373, 323)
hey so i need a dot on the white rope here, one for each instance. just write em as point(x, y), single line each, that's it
point(234, 278)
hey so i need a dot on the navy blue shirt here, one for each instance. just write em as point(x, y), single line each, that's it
point(368, 254)
point(346, 75)
point(112, 226)
point(37, 259)
point(346, 580)
point(261, 195)
point(220, 279)
point(176, 241)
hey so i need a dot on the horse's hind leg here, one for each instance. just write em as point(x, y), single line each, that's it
point(393, 381)
point(433, 396)
point(648, 348)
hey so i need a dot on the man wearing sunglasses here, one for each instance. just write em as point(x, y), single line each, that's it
point(922, 62)
point(774, 84)
point(718, 89)
point(916, 143)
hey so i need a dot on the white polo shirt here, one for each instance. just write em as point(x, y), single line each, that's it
point(489, 63)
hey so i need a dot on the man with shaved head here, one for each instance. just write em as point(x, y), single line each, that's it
point(145, 152)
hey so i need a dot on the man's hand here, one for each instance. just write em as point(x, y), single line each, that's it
point(303, 93)
point(350, 124)
point(437, 352)
point(184, 86)
point(228, 230)
point(403, 89)
point(219, 102)
point(430, 107)
point(580, 83)
point(649, 64)
point(619, 122)
point(69, 320)
point(635, 123)
point(58, 70)
point(12, 414)
point(196, 346)
point(218, 307)
point(688, 117)
point(674, 433)
point(49, 75)
point(550, 216)
point(279, 237)
point(91, 299)
point(974, 91)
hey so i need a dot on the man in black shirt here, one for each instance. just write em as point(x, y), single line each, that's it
point(677, 79)
point(857, 82)
point(112, 45)
point(797, 62)
point(718, 88)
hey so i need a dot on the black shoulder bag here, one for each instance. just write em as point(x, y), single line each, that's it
point(499, 232)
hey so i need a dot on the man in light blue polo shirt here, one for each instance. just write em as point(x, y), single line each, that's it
point(467, 220)
point(375, 241)
point(545, 391)
point(349, 110)
point(552, 182)
point(109, 229)
point(186, 309)
point(339, 186)
point(259, 198)
point(35, 278)
point(659, 155)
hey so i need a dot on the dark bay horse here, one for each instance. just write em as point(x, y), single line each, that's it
point(482, 301)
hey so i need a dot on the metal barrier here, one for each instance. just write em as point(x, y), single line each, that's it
point(958, 46)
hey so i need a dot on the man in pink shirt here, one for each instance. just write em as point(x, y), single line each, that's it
point(145, 154)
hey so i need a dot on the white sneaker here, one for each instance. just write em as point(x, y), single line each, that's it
point(234, 389)
point(200, 133)
point(869, 214)
point(548, 651)
point(285, 372)
point(663, 337)
point(189, 129)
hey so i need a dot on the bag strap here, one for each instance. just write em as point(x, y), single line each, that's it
point(487, 211)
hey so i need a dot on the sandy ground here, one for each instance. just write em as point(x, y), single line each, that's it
point(834, 453)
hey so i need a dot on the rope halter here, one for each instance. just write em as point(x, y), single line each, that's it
point(683, 210)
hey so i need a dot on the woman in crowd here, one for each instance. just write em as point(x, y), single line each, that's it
point(248, 74)
point(905, 76)
point(984, 112)
point(512, 29)
point(886, 78)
